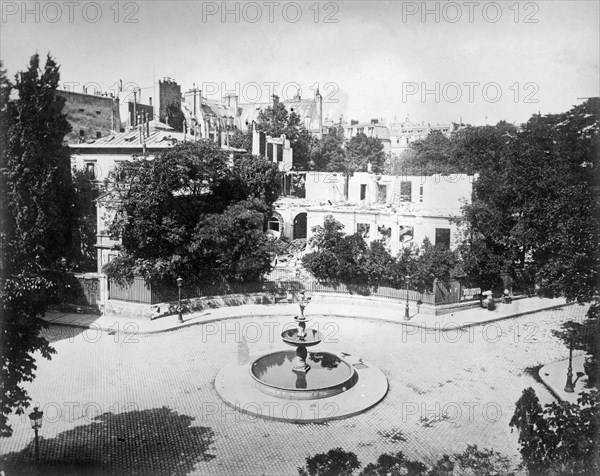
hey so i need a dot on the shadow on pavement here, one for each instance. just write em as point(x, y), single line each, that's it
point(156, 441)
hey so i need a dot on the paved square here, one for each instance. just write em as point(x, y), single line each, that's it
point(147, 404)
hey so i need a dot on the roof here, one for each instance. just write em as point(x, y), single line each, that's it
point(161, 136)
point(380, 131)
point(307, 109)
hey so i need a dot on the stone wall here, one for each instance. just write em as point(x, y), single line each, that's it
point(169, 92)
point(90, 115)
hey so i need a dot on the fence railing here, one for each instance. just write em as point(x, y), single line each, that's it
point(141, 292)
point(137, 291)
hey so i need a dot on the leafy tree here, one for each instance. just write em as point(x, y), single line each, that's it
point(348, 259)
point(36, 171)
point(484, 462)
point(5, 220)
point(394, 464)
point(472, 461)
point(241, 140)
point(275, 120)
point(251, 177)
point(335, 462)
point(84, 233)
point(304, 147)
point(561, 438)
point(362, 150)
point(23, 300)
point(427, 156)
point(432, 262)
point(232, 244)
point(174, 207)
point(481, 149)
point(585, 336)
point(329, 153)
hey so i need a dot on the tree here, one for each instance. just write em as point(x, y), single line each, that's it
point(39, 194)
point(472, 461)
point(335, 462)
point(177, 216)
point(241, 140)
point(348, 259)
point(483, 462)
point(251, 177)
point(232, 244)
point(394, 464)
point(536, 203)
point(431, 263)
point(23, 300)
point(561, 438)
point(84, 232)
point(362, 150)
point(275, 121)
point(5, 220)
point(427, 156)
point(585, 336)
point(329, 153)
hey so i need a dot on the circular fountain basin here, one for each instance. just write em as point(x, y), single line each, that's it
point(290, 336)
point(329, 375)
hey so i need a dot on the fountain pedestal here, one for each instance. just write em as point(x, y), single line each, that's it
point(301, 367)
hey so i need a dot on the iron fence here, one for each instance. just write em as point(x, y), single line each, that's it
point(142, 292)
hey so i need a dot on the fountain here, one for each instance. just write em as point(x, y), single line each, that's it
point(302, 376)
point(285, 373)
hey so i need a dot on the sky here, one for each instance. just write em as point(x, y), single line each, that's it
point(433, 62)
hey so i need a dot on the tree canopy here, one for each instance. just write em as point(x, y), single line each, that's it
point(187, 213)
point(362, 150)
point(349, 259)
point(559, 438)
point(37, 190)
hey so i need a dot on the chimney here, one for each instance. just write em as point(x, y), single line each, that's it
point(150, 101)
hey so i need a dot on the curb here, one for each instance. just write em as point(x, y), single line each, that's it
point(420, 325)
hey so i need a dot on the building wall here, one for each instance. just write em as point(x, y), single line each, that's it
point(90, 115)
point(423, 226)
point(323, 186)
point(168, 92)
point(132, 114)
point(438, 191)
point(403, 134)
point(101, 164)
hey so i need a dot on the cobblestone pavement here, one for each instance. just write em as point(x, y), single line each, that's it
point(145, 404)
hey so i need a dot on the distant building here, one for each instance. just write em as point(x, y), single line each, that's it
point(133, 112)
point(91, 116)
point(370, 129)
point(309, 110)
point(404, 133)
point(169, 93)
point(98, 157)
point(218, 119)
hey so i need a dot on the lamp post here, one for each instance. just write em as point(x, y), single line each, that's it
point(36, 423)
point(179, 283)
point(406, 314)
point(569, 386)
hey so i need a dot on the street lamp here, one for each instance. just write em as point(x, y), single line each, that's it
point(406, 314)
point(569, 386)
point(179, 283)
point(36, 423)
